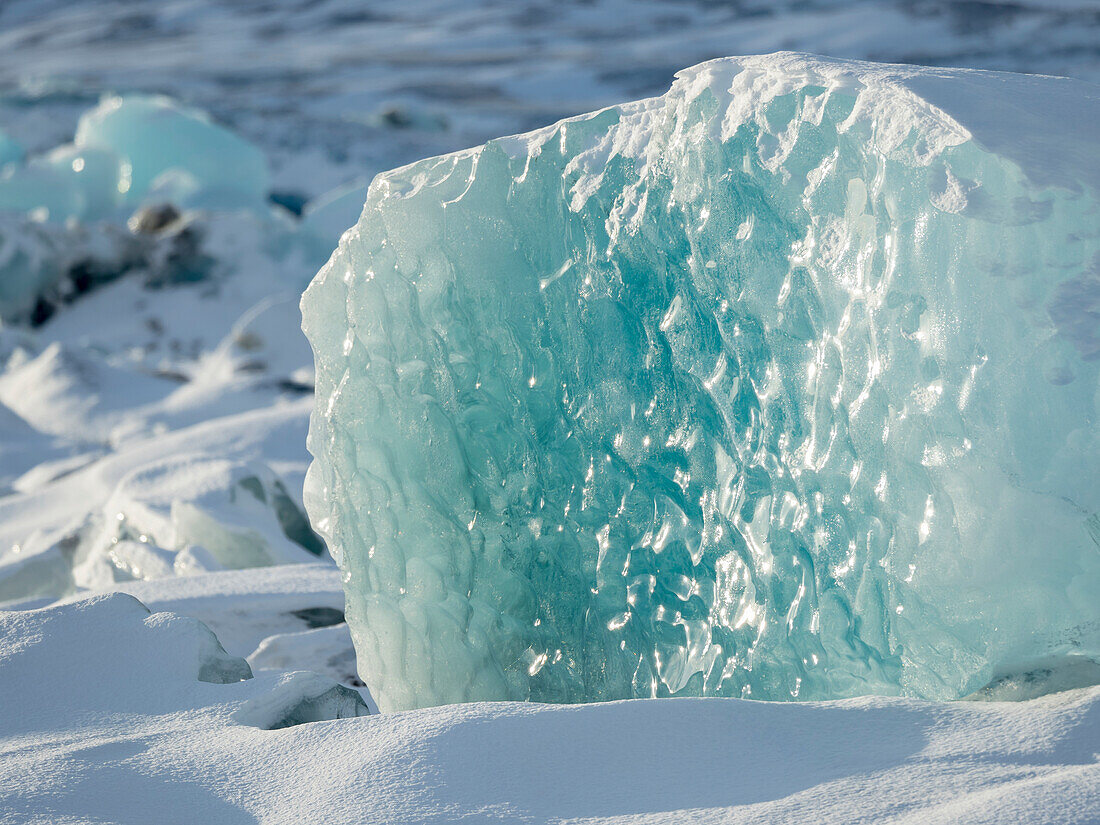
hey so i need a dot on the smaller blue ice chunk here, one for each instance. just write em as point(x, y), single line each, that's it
point(131, 151)
point(69, 182)
point(169, 148)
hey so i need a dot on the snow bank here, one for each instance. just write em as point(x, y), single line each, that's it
point(107, 719)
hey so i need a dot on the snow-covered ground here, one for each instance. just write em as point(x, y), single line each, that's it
point(125, 717)
point(152, 442)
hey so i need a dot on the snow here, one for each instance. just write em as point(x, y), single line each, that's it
point(245, 607)
point(1047, 127)
point(75, 504)
point(145, 740)
point(166, 357)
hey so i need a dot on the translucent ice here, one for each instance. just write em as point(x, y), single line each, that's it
point(782, 385)
point(128, 152)
point(176, 150)
point(132, 150)
point(10, 150)
point(69, 182)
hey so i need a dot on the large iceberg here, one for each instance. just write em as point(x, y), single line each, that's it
point(783, 385)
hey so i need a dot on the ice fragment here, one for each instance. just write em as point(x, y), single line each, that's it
point(782, 385)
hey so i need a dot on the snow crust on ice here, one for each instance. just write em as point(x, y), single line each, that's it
point(781, 385)
point(1046, 126)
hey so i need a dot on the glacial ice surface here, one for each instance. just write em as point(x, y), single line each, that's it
point(783, 385)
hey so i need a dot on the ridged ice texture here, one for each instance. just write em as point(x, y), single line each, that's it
point(782, 385)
